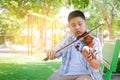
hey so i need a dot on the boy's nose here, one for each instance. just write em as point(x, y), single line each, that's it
point(77, 27)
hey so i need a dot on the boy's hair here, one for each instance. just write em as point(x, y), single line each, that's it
point(76, 13)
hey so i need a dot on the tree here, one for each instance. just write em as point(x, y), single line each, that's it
point(44, 7)
point(106, 10)
point(10, 25)
point(17, 10)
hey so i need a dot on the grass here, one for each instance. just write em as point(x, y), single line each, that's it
point(21, 67)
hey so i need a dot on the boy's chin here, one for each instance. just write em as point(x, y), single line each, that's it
point(77, 35)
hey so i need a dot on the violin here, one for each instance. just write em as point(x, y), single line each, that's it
point(88, 39)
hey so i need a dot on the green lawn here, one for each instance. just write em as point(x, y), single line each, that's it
point(20, 67)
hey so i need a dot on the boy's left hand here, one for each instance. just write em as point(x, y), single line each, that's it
point(88, 53)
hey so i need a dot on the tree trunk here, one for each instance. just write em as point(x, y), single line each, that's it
point(109, 21)
point(110, 31)
point(5, 41)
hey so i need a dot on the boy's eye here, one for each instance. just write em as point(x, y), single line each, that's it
point(79, 23)
point(73, 25)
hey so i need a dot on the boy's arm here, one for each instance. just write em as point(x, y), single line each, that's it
point(93, 56)
point(52, 53)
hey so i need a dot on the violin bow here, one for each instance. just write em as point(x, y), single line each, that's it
point(81, 37)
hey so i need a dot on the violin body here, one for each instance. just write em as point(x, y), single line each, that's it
point(89, 41)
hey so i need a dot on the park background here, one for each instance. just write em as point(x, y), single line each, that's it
point(28, 28)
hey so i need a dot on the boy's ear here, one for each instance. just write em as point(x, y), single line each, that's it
point(68, 25)
point(86, 23)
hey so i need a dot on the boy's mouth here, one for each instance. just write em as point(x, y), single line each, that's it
point(78, 32)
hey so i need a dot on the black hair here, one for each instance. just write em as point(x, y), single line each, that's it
point(76, 13)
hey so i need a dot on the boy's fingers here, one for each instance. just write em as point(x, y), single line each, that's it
point(90, 50)
point(94, 56)
point(51, 54)
point(89, 55)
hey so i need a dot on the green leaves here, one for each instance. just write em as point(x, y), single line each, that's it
point(108, 11)
point(80, 4)
point(10, 23)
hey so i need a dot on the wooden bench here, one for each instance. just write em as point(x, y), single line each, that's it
point(110, 53)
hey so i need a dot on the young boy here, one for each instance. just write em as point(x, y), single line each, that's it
point(82, 63)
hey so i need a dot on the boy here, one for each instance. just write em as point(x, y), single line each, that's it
point(84, 62)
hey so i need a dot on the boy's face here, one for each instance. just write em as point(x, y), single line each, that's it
point(77, 26)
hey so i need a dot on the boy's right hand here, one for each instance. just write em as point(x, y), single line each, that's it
point(51, 54)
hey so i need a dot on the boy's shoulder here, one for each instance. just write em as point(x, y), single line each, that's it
point(70, 37)
point(96, 40)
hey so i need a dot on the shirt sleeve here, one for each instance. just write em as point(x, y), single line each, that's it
point(63, 43)
point(98, 47)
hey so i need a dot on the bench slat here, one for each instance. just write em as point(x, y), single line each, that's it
point(110, 53)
